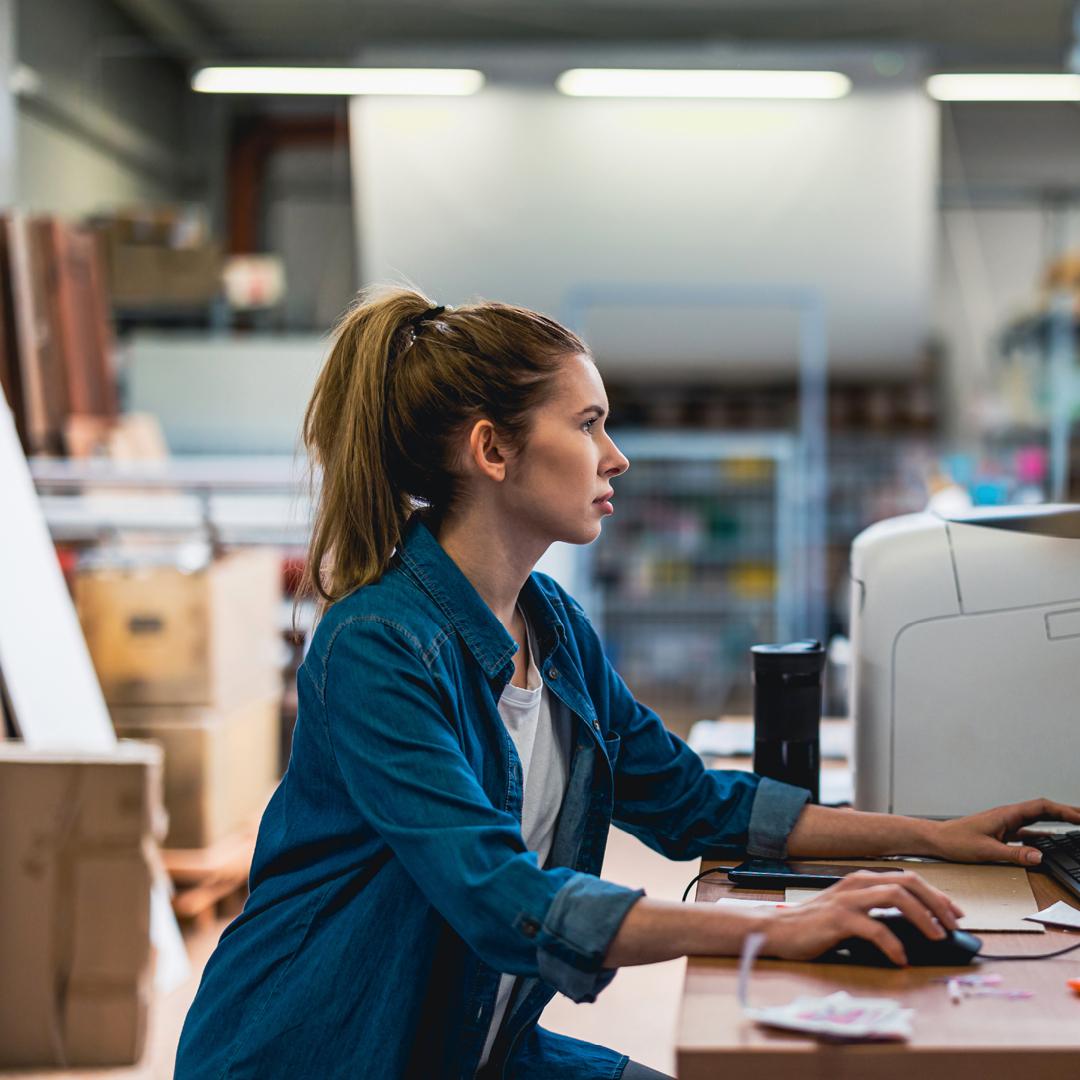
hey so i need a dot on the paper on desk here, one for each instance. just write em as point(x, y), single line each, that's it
point(1059, 914)
point(994, 898)
point(737, 903)
point(838, 1016)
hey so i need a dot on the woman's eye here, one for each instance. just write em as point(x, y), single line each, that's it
point(588, 425)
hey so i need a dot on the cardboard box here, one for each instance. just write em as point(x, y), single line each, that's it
point(160, 256)
point(161, 636)
point(220, 767)
point(76, 837)
point(152, 276)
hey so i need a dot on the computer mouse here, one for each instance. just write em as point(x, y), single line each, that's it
point(954, 950)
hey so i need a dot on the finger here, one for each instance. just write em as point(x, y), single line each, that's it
point(910, 906)
point(1020, 854)
point(862, 878)
point(882, 937)
point(1046, 810)
point(922, 917)
point(941, 907)
point(1061, 812)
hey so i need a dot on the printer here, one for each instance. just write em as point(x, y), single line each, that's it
point(965, 669)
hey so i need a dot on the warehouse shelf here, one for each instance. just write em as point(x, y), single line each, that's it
point(230, 500)
point(694, 569)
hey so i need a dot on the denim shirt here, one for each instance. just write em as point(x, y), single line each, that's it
point(391, 885)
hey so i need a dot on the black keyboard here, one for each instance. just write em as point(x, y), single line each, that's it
point(1061, 858)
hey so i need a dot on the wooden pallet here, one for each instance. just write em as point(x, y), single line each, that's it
point(211, 882)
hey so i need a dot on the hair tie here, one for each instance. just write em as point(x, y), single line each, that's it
point(426, 316)
point(405, 335)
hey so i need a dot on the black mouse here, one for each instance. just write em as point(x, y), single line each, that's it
point(954, 950)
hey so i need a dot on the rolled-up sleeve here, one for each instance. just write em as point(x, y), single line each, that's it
point(775, 810)
point(580, 924)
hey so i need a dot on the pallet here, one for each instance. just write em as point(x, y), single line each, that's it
point(211, 883)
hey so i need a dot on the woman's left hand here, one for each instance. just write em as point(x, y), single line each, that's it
point(982, 837)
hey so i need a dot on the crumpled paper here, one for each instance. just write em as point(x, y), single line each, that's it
point(837, 1016)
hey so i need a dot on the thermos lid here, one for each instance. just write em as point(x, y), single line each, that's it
point(794, 657)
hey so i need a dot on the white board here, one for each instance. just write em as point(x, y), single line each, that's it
point(50, 679)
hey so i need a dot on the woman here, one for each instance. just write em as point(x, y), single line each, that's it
point(425, 875)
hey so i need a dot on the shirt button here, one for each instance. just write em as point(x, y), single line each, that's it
point(529, 927)
point(553, 673)
point(596, 724)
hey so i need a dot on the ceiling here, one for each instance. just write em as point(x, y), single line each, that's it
point(954, 33)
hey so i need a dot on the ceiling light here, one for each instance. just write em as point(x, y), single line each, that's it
point(1015, 87)
point(346, 81)
point(688, 83)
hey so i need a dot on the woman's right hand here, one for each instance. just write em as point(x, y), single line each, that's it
point(804, 931)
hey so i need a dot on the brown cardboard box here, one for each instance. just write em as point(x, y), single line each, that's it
point(76, 837)
point(220, 767)
point(149, 275)
point(160, 256)
point(160, 636)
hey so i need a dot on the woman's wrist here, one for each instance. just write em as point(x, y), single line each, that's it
point(735, 933)
point(918, 836)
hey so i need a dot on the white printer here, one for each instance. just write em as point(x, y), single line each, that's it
point(966, 660)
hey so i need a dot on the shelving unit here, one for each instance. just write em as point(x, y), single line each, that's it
point(1040, 389)
point(697, 565)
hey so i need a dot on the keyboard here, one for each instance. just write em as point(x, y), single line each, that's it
point(1061, 858)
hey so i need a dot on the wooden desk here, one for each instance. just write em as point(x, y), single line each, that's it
point(978, 1039)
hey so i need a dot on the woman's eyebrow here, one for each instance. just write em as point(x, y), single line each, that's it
point(598, 409)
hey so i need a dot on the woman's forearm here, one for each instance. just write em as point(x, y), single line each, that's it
point(824, 831)
point(656, 930)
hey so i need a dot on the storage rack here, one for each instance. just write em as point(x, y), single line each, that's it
point(697, 565)
point(1042, 351)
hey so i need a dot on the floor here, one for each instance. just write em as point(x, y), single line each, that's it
point(635, 1014)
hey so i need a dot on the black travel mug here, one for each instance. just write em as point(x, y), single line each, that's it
point(787, 713)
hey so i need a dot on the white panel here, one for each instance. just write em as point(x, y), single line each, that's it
point(520, 195)
point(985, 714)
point(225, 395)
point(47, 670)
point(1003, 568)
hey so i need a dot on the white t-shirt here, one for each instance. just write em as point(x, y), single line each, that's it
point(541, 736)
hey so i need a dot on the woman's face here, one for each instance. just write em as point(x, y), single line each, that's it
point(560, 481)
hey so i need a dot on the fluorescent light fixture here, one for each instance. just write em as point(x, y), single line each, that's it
point(1014, 87)
point(688, 83)
point(345, 81)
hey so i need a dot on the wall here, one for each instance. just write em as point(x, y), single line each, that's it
point(1010, 193)
point(103, 116)
point(224, 394)
point(521, 194)
point(308, 221)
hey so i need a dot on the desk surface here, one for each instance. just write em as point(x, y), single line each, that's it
point(978, 1039)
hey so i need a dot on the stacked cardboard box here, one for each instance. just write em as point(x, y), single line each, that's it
point(192, 660)
point(160, 257)
point(76, 839)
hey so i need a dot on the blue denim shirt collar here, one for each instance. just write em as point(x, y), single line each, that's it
point(487, 639)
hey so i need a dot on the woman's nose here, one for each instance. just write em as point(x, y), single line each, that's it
point(618, 463)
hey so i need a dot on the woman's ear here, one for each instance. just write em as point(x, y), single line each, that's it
point(486, 453)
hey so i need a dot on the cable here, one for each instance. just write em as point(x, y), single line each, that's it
point(1029, 956)
point(704, 873)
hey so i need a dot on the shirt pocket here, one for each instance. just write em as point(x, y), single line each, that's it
point(611, 746)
